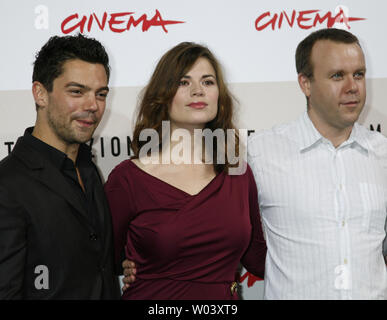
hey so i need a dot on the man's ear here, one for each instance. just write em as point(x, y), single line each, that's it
point(40, 94)
point(304, 83)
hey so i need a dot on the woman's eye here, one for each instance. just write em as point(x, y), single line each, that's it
point(209, 82)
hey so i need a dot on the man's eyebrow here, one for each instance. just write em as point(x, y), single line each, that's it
point(82, 86)
point(76, 84)
point(338, 70)
point(363, 69)
point(104, 89)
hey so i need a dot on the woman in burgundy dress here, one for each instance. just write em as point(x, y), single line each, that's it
point(185, 225)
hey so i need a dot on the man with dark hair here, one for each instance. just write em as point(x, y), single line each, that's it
point(304, 48)
point(322, 182)
point(55, 227)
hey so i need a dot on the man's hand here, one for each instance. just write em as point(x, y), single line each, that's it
point(129, 273)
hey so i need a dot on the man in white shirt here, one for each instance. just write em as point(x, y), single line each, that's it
point(322, 182)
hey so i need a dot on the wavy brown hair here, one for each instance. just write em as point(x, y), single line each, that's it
point(161, 89)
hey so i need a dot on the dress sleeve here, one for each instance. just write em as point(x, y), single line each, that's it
point(119, 193)
point(254, 257)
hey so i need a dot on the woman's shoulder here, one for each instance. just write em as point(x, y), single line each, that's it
point(243, 175)
point(242, 171)
point(122, 167)
point(132, 168)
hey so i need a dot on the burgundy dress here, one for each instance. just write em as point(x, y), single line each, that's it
point(185, 246)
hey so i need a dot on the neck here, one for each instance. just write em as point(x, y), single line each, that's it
point(334, 134)
point(47, 136)
point(183, 145)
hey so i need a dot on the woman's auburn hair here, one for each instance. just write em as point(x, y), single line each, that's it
point(157, 96)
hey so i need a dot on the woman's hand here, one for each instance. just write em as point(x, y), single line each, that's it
point(129, 273)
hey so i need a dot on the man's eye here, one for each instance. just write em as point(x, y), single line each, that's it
point(75, 91)
point(359, 75)
point(337, 76)
point(102, 96)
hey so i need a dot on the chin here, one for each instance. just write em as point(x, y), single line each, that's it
point(203, 121)
point(85, 139)
point(85, 135)
point(349, 122)
point(81, 138)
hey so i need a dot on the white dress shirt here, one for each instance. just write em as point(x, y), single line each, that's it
point(323, 210)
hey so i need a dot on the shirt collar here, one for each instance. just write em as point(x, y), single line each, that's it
point(56, 157)
point(358, 136)
point(309, 137)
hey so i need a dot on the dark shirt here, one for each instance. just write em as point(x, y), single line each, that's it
point(65, 165)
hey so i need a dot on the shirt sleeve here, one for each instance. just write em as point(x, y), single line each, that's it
point(119, 193)
point(13, 247)
point(254, 257)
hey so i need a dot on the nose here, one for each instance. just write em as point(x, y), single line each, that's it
point(91, 104)
point(351, 85)
point(196, 89)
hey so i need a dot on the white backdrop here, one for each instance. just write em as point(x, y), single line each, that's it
point(254, 40)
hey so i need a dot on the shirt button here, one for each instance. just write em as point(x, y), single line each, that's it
point(93, 237)
point(345, 261)
point(343, 223)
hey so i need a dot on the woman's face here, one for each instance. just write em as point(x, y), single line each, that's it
point(196, 100)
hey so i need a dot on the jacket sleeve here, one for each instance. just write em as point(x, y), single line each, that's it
point(13, 246)
point(255, 256)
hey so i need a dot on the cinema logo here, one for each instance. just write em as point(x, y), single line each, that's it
point(306, 19)
point(116, 22)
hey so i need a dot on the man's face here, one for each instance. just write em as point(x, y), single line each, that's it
point(77, 102)
point(337, 90)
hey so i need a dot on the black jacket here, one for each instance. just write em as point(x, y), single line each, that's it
point(45, 230)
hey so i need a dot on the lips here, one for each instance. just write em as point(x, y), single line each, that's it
point(352, 103)
point(198, 105)
point(85, 123)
